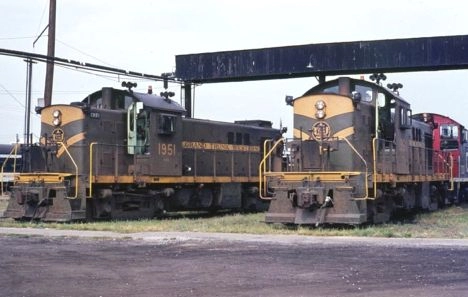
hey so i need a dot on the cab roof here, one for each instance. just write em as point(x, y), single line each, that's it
point(158, 102)
point(149, 100)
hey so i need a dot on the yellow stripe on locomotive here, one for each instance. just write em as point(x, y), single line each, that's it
point(323, 116)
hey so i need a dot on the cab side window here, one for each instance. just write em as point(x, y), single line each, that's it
point(167, 124)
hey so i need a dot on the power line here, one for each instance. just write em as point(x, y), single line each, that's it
point(80, 51)
point(17, 92)
point(42, 17)
point(11, 95)
point(88, 66)
point(108, 77)
point(16, 99)
point(15, 38)
point(111, 77)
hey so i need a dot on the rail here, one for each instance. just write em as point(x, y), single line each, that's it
point(452, 181)
point(331, 176)
point(443, 165)
point(374, 160)
point(76, 169)
point(426, 163)
point(366, 182)
point(91, 168)
point(262, 167)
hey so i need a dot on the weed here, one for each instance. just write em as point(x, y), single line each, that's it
point(450, 222)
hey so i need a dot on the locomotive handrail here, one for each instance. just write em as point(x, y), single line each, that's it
point(263, 166)
point(76, 169)
point(452, 183)
point(367, 171)
point(91, 168)
point(265, 143)
point(449, 165)
point(374, 157)
point(267, 155)
point(15, 150)
point(439, 163)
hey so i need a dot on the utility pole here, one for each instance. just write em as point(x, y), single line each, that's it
point(49, 80)
point(27, 113)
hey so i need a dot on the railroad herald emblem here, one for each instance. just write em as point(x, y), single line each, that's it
point(57, 135)
point(320, 131)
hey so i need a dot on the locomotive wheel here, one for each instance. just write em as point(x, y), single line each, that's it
point(205, 197)
point(248, 203)
point(437, 199)
point(90, 212)
point(381, 210)
point(217, 199)
point(183, 198)
point(158, 206)
point(463, 195)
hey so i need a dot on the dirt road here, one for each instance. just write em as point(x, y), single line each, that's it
point(47, 262)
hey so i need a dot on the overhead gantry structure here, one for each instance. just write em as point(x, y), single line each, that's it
point(322, 59)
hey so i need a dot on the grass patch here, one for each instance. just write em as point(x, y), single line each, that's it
point(451, 222)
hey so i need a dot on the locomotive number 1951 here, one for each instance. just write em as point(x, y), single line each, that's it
point(166, 149)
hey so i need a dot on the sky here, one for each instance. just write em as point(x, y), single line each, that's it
point(146, 35)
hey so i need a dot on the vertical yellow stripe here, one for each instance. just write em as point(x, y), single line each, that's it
point(70, 141)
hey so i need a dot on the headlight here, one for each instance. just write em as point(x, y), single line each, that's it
point(320, 105)
point(320, 114)
point(57, 117)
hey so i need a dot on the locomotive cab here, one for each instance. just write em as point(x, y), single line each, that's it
point(154, 135)
point(89, 149)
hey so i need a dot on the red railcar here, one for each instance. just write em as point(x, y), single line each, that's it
point(451, 139)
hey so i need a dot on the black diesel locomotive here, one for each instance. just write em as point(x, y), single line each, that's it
point(123, 154)
point(357, 155)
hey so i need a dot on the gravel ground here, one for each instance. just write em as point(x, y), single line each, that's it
point(49, 262)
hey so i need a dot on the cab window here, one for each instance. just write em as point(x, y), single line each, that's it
point(167, 124)
point(448, 131)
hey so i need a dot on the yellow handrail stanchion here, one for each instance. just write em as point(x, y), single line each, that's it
point(76, 169)
point(91, 168)
point(263, 166)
